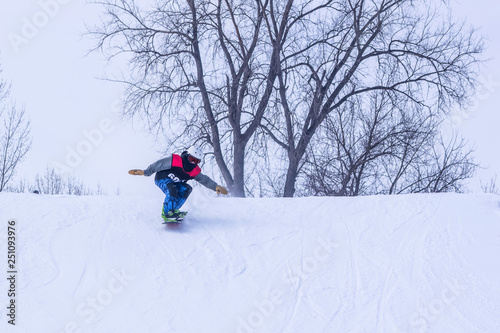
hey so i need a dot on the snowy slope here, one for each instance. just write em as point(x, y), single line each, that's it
point(410, 263)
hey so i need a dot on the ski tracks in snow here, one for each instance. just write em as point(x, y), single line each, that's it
point(297, 291)
point(393, 256)
point(217, 253)
point(410, 246)
point(379, 275)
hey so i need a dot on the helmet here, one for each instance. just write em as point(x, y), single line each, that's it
point(196, 152)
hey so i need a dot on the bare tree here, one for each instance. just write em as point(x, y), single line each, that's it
point(203, 71)
point(359, 47)
point(443, 168)
point(491, 186)
point(15, 139)
point(21, 186)
point(50, 182)
point(53, 183)
point(384, 147)
point(75, 186)
point(226, 73)
point(347, 156)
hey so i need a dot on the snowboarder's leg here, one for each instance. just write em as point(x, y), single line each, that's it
point(184, 191)
point(171, 197)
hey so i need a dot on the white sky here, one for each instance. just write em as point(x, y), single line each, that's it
point(52, 75)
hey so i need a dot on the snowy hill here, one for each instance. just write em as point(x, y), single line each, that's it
point(410, 263)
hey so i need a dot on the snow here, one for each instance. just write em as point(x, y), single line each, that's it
point(408, 263)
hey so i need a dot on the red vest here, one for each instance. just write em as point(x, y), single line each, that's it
point(177, 162)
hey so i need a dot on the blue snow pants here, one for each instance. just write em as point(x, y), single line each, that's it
point(175, 193)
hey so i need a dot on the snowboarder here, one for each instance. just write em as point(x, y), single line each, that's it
point(172, 174)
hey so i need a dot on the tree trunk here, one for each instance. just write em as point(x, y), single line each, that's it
point(238, 187)
point(291, 177)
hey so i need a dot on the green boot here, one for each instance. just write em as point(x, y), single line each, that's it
point(181, 215)
point(169, 216)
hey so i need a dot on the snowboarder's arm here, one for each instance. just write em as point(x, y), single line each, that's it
point(163, 164)
point(206, 181)
point(209, 183)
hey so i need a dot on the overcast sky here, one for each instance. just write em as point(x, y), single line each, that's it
point(75, 119)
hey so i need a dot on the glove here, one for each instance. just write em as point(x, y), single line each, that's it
point(136, 172)
point(220, 190)
point(172, 190)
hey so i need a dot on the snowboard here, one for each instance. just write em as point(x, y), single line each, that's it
point(173, 221)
